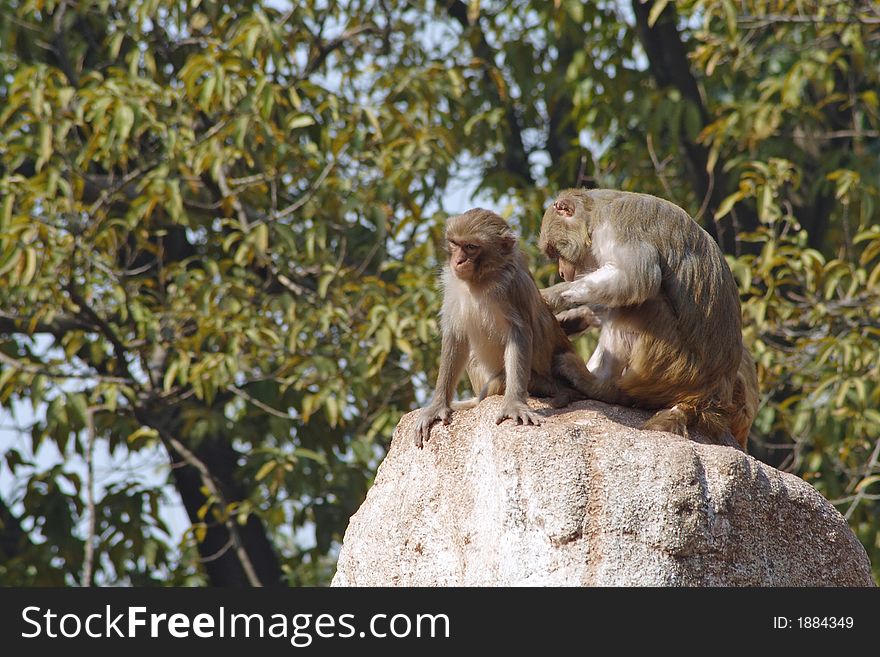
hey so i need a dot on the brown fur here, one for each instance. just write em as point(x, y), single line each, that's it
point(495, 324)
point(670, 313)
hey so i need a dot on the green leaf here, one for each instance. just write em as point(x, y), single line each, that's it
point(77, 409)
point(170, 374)
point(312, 455)
point(45, 152)
point(123, 121)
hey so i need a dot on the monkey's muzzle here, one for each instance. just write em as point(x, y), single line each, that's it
point(566, 270)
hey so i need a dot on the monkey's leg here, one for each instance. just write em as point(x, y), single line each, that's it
point(706, 417)
point(494, 386)
point(565, 395)
point(454, 352)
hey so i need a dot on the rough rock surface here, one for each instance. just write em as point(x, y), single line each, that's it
point(588, 499)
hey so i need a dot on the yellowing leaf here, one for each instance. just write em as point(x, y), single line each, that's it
point(656, 10)
point(727, 205)
point(265, 469)
point(300, 121)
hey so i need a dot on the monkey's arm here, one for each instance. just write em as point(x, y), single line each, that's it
point(572, 317)
point(454, 352)
point(630, 277)
point(553, 296)
point(518, 371)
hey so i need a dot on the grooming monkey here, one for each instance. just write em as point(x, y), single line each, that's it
point(668, 306)
point(495, 324)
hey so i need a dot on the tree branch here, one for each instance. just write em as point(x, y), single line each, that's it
point(861, 494)
point(313, 187)
point(769, 19)
point(212, 467)
point(324, 48)
point(59, 326)
point(104, 327)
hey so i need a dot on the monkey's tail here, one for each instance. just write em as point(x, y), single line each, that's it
point(466, 404)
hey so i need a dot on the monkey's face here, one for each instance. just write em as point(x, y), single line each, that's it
point(563, 236)
point(464, 258)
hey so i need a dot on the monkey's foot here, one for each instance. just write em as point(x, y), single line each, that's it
point(426, 419)
point(519, 413)
point(577, 320)
point(672, 420)
point(564, 396)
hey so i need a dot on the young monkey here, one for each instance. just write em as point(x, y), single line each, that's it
point(495, 324)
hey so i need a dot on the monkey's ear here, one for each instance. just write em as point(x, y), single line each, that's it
point(507, 242)
point(564, 208)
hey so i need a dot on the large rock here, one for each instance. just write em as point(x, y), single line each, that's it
point(588, 499)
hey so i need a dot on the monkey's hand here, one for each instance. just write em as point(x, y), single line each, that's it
point(519, 412)
point(426, 418)
point(580, 318)
point(553, 296)
point(579, 292)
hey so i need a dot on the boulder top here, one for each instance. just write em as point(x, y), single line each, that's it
point(587, 498)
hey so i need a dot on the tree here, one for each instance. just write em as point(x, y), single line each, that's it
point(218, 227)
point(197, 215)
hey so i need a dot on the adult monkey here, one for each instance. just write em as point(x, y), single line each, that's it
point(668, 306)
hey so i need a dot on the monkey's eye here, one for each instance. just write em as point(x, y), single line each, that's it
point(471, 248)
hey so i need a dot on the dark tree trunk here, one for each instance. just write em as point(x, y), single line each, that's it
point(13, 540)
point(669, 66)
point(515, 159)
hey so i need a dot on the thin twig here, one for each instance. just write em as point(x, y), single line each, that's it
point(706, 198)
point(761, 21)
point(227, 193)
point(256, 402)
point(658, 166)
point(219, 553)
point(296, 205)
point(30, 368)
